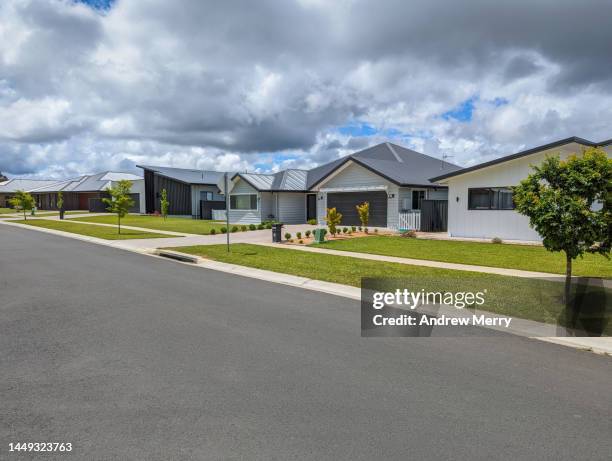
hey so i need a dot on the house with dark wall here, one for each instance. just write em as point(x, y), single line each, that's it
point(191, 193)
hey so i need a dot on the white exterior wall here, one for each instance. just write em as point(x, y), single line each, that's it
point(137, 188)
point(245, 216)
point(195, 197)
point(505, 224)
point(290, 207)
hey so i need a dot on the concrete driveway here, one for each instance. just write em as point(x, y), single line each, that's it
point(132, 357)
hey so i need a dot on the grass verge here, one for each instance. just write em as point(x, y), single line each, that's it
point(531, 299)
point(186, 225)
point(103, 232)
point(523, 257)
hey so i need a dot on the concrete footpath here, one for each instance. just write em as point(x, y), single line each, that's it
point(528, 328)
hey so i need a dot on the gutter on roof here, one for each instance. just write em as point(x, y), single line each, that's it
point(521, 154)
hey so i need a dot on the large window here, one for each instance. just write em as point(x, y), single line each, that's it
point(490, 198)
point(209, 196)
point(243, 202)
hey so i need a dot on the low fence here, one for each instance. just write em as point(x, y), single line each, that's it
point(218, 215)
point(410, 220)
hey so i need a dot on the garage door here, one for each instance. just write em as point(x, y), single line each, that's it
point(345, 203)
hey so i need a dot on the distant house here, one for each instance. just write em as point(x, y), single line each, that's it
point(190, 192)
point(9, 187)
point(81, 193)
point(480, 197)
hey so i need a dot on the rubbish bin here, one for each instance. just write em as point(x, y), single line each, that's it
point(277, 235)
point(319, 235)
point(33, 211)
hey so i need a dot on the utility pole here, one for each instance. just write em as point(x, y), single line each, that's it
point(227, 210)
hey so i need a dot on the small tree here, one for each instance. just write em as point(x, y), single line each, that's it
point(22, 200)
point(364, 213)
point(120, 201)
point(559, 198)
point(165, 204)
point(60, 204)
point(333, 219)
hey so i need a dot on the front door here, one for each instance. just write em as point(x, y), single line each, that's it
point(311, 206)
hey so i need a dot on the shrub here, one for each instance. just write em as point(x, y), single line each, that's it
point(223, 230)
point(496, 240)
point(298, 235)
point(364, 213)
point(243, 228)
point(252, 227)
point(312, 222)
point(268, 225)
point(287, 235)
point(307, 233)
point(234, 229)
point(360, 228)
point(409, 234)
point(213, 231)
point(261, 227)
point(350, 232)
point(333, 219)
point(301, 241)
point(344, 230)
point(353, 228)
point(376, 231)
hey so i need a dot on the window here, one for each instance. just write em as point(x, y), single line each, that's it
point(490, 198)
point(417, 197)
point(209, 196)
point(243, 202)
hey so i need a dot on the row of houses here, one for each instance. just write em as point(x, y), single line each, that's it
point(81, 193)
point(405, 189)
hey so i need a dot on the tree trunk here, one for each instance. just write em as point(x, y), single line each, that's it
point(568, 279)
point(119, 222)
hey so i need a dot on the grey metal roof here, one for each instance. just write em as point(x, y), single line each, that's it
point(524, 153)
point(15, 184)
point(398, 164)
point(186, 175)
point(87, 183)
point(286, 180)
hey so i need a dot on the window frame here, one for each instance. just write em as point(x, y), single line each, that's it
point(250, 202)
point(493, 192)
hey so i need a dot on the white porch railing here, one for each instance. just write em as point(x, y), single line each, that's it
point(218, 215)
point(410, 220)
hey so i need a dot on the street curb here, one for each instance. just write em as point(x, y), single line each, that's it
point(601, 346)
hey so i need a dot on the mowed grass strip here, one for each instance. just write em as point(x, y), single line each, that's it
point(103, 232)
point(531, 299)
point(509, 256)
point(186, 225)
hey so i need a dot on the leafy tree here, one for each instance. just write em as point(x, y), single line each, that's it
point(364, 213)
point(569, 203)
point(22, 200)
point(165, 204)
point(120, 201)
point(60, 204)
point(333, 219)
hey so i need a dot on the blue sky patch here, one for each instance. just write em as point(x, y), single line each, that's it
point(463, 112)
point(98, 4)
point(357, 129)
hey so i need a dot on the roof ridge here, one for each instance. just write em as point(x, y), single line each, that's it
point(395, 154)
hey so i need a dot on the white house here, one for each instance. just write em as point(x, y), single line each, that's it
point(392, 179)
point(480, 199)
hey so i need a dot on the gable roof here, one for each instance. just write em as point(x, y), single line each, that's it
point(185, 175)
point(397, 164)
point(524, 153)
point(292, 180)
point(15, 184)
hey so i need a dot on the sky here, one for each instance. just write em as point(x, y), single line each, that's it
point(87, 86)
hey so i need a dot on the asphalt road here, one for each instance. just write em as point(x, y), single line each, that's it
point(132, 357)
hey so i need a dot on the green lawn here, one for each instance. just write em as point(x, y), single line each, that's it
point(526, 298)
point(103, 232)
point(189, 226)
point(6, 210)
point(525, 257)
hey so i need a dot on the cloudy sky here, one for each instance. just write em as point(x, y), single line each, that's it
point(242, 85)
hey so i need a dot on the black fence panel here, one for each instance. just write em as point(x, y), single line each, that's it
point(434, 215)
